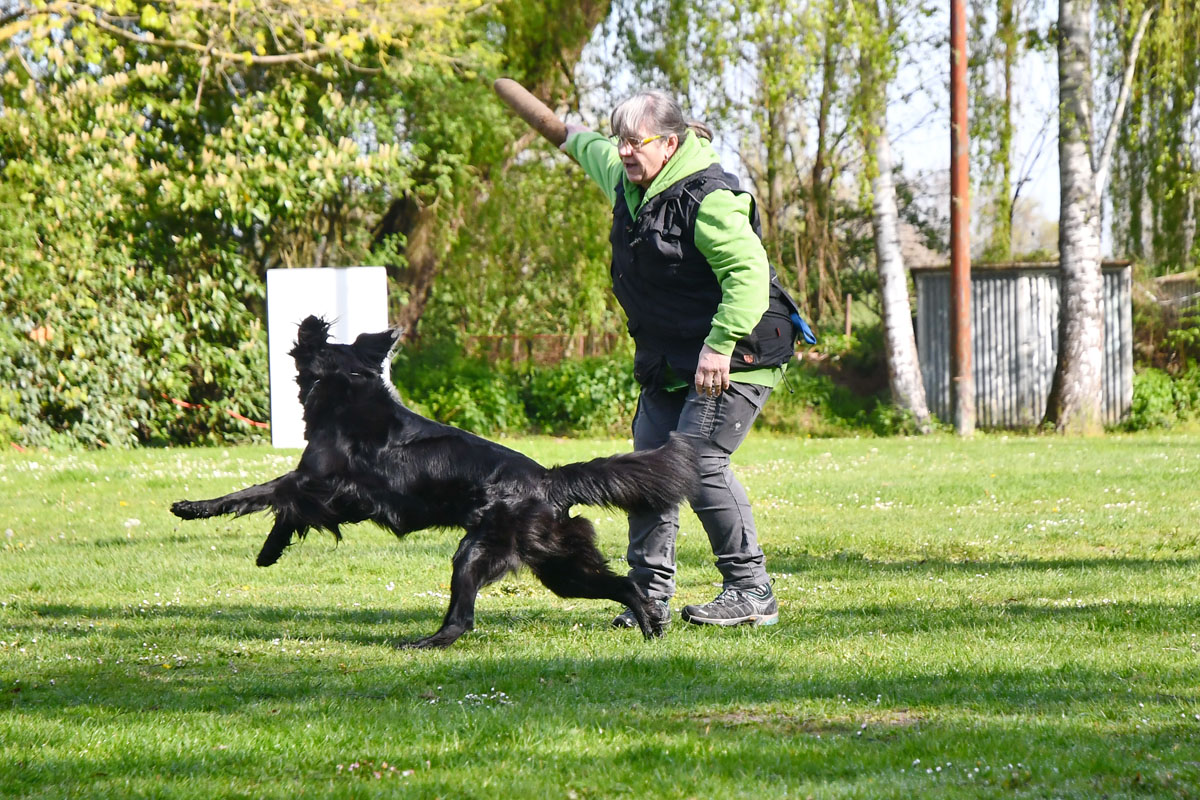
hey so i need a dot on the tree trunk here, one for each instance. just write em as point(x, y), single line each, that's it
point(817, 211)
point(418, 224)
point(904, 370)
point(550, 54)
point(1007, 33)
point(1075, 404)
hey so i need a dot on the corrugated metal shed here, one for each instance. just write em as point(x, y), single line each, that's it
point(1014, 322)
point(1178, 294)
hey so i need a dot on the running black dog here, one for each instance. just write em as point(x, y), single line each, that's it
point(371, 458)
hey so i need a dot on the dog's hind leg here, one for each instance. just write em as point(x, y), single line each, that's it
point(582, 571)
point(253, 498)
point(567, 576)
point(476, 564)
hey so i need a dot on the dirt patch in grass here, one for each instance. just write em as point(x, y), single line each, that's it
point(785, 723)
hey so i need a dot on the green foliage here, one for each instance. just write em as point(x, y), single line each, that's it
point(811, 402)
point(544, 229)
point(144, 191)
point(996, 40)
point(591, 395)
point(1156, 167)
point(1163, 401)
point(798, 89)
point(113, 309)
point(594, 395)
point(440, 382)
point(1183, 342)
point(1153, 401)
point(840, 394)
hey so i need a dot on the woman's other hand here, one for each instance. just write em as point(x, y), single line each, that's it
point(712, 372)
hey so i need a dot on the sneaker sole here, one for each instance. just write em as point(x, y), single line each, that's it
point(754, 620)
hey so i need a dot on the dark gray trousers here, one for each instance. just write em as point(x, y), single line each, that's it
point(719, 425)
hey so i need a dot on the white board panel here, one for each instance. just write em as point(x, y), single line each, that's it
point(352, 299)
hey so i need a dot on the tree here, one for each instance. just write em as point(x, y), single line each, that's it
point(156, 159)
point(991, 118)
point(541, 42)
point(1156, 170)
point(904, 371)
point(1076, 393)
point(801, 87)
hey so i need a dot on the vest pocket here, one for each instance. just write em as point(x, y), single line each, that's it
point(659, 254)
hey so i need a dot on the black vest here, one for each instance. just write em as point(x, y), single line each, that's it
point(670, 293)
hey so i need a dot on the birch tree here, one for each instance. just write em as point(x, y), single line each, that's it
point(990, 66)
point(904, 370)
point(1076, 394)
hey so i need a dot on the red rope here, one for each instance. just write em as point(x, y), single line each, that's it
point(230, 412)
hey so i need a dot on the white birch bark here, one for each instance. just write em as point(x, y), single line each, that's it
point(1075, 404)
point(904, 369)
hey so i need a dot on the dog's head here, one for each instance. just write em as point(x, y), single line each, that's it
point(317, 359)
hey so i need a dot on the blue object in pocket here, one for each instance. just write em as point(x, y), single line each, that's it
point(803, 331)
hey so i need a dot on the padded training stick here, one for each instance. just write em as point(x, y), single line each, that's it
point(532, 110)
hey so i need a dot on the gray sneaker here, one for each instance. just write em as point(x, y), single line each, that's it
point(660, 615)
point(755, 606)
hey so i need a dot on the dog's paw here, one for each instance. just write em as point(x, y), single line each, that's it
point(189, 509)
point(438, 641)
point(658, 629)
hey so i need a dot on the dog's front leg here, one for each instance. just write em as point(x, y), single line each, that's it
point(279, 538)
point(254, 498)
point(475, 566)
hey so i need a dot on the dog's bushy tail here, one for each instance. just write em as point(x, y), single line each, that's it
point(646, 480)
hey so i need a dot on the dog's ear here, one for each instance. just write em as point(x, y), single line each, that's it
point(313, 333)
point(376, 348)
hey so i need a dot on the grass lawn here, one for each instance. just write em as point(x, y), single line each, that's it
point(1001, 617)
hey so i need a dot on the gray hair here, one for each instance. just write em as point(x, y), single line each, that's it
point(658, 113)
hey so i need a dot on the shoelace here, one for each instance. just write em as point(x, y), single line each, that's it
point(728, 597)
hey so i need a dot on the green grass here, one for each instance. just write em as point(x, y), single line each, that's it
point(1001, 617)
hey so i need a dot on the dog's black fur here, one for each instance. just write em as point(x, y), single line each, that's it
point(370, 458)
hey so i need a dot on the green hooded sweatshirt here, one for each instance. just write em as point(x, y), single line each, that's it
point(723, 235)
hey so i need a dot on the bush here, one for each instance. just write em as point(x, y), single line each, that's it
point(1160, 401)
point(438, 381)
point(593, 395)
point(599, 396)
point(841, 392)
point(98, 341)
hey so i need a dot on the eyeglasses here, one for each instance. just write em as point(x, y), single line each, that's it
point(632, 142)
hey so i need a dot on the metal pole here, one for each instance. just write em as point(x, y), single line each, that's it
point(960, 220)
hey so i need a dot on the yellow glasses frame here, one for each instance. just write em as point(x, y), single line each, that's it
point(634, 143)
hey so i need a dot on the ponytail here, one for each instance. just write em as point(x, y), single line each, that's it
point(700, 129)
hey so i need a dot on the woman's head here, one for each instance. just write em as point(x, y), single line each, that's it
point(649, 128)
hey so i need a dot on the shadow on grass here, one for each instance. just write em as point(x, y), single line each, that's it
point(359, 626)
point(378, 624)
point(789, 561)
point(690, 707)
point(695, 761)
point(639, 681)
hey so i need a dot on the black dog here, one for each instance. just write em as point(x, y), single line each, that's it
point(371, 458)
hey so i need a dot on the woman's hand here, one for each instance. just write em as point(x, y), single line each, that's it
point(712, 372)
point(572, 129)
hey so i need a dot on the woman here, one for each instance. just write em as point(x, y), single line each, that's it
point(712, 330)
